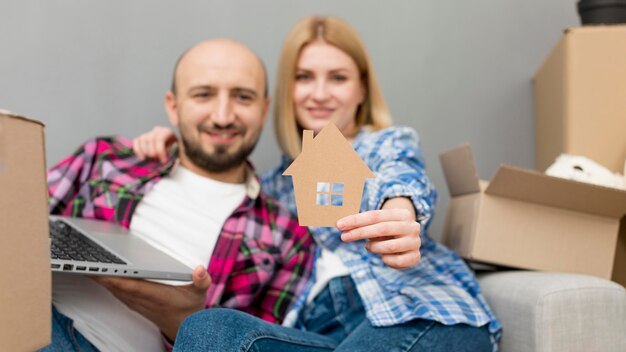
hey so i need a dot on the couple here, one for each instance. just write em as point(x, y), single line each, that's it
point(366, 289)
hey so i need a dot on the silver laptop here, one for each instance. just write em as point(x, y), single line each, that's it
point(96, 247)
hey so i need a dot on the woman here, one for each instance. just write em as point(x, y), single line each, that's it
point(359, 300)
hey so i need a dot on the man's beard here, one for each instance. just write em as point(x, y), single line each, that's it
point(220, 160)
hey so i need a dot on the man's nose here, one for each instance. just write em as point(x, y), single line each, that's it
point(223, 114)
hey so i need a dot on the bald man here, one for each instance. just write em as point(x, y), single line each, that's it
point(205, 206)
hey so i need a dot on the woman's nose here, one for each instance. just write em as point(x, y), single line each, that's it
point(321, 90)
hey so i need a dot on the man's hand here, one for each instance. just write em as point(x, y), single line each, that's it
point(164, 305)
point(391, 232)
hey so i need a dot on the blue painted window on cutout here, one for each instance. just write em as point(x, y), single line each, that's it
point(329, 194)
point(322, 199)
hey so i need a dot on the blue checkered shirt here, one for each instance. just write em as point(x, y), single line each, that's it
point(441, 287)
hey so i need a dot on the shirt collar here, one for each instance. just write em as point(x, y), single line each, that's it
point(363, 131)
point(253, 185)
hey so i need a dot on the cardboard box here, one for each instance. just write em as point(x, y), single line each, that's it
point(580, 98)
point(25, 300)
point(529, 220)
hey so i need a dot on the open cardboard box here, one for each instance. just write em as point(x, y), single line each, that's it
point(25, 300)
point(526, 219)
point(580, 98)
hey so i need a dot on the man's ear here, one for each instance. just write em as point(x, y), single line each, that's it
point(266, 109)
point(171, 107)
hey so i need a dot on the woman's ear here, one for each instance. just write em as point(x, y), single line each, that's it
point(363, 92)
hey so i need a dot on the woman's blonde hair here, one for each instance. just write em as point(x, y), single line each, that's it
point(373, 110)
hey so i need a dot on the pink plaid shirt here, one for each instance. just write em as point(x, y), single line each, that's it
point(262, 259)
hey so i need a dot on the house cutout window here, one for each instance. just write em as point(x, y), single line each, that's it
point(329, 193)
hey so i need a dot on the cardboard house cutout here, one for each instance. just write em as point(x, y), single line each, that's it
point(328, 178)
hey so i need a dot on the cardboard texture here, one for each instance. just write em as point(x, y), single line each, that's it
point(529, 220)
point(580, 98)
point(25, 297)
point(328, 178)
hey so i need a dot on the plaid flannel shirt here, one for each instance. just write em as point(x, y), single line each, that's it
point(262, 259)
point(441, 287)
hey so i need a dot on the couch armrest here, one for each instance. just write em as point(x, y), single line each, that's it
point(543, 312)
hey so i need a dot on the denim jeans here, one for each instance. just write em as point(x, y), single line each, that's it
point(65, 338)
point(334, 321)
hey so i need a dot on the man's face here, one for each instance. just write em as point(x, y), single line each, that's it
point(219, 107)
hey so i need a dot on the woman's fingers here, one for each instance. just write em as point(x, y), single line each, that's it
point(402, 260)
point(382, 229)
point(372, 217)
point(394, 245)
point(154, 144)
point(393, 233)
point(137, 148)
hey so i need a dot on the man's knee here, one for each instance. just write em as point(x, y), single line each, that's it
point(213, 328)
point(216, 318)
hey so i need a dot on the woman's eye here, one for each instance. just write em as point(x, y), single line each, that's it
point(302, 77)
point(339, 78)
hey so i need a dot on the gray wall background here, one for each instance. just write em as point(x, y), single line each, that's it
point(457, 71)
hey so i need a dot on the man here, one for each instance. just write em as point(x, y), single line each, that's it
point(205, 206)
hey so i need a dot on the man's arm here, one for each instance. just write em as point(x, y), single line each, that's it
point(293, 268)
point(166, 306)
point(67, 177)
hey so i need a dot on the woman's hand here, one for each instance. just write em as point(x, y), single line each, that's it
point(392, 232)
point(155, 144)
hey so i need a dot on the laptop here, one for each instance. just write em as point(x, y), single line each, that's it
point(96, 247)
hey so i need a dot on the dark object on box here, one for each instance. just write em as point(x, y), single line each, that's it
point(602, 11)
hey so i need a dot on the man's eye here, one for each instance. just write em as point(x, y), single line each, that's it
point(201, 95)
point(245, 97)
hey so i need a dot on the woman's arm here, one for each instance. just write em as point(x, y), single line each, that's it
point(401, 199)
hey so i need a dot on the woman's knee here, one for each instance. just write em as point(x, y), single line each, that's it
point(458, 337)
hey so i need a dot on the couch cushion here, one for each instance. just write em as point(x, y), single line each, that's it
point(542, 311)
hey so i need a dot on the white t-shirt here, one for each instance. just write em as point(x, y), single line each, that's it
point(328, 266)
point(182, 215)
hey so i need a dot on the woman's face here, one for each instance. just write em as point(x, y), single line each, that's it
point(328, 88)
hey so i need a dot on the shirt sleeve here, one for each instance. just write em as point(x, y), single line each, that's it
point(67, 177)
point(293, 268)
point(395, 157)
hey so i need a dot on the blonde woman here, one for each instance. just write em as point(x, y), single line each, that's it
point(371, 291)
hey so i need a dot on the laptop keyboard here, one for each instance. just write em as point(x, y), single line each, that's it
point(69, 244)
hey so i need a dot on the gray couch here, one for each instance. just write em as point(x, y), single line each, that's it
point(546, 312)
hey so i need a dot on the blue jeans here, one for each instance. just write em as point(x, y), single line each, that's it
point(64, 337)
point(335, 321)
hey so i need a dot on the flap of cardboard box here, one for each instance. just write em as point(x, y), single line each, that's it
point(459, 169)
point(11, 114)
point(532, 186)
point(599, 30)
